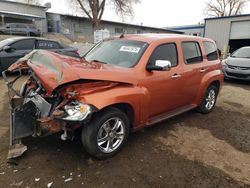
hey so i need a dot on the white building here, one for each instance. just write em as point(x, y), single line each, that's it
point(15, 12)
point(75, 26)
point(194, 30)
point(230, 33)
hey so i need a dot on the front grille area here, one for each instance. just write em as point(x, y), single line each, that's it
point(238, 75)
point(238, 68)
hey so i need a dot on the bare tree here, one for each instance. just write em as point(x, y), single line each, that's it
point(224, 7)
point(94, 9)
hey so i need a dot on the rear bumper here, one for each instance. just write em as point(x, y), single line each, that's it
point(236, 74)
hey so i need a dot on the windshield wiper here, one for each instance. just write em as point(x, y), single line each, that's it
point(98, 61)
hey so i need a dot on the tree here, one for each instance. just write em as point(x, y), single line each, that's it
point(94, 9)
point(224, 7)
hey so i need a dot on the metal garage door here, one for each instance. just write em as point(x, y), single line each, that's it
point(240, 30)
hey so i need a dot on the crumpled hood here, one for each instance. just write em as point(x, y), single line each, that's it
point(240, 62)
point(54, 70)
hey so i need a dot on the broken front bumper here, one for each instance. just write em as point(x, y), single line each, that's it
point(24, 113)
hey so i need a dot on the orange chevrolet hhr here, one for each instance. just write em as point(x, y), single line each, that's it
point(121, 85)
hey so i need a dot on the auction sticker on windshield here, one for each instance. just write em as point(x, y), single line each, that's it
point(131, 49)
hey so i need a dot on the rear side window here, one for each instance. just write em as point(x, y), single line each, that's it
point(211, 51)
point(21, 26)
point(192, 52)
point(165, 52)
point(32, 26)
point(27, 44)
point(45, 44)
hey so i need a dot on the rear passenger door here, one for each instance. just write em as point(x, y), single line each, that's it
point(193, 69)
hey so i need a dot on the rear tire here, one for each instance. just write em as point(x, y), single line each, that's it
point(106, 134)
point(209, 100)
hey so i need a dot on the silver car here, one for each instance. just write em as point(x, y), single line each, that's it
point(237, 65)
point(20, 29)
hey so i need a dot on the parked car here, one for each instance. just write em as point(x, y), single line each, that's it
point(237, 65)
point(13, 49)
point(20, 29)
point(123, 84)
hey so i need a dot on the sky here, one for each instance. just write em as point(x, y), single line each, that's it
point(156, 13)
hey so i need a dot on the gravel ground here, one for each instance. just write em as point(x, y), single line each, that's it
point(191, 150)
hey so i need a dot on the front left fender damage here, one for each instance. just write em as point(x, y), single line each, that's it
point(36, 113)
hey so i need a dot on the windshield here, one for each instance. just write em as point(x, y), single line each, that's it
point(5, 42)
point(242, 53)
point(123, 53)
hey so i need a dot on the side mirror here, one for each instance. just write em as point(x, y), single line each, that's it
point(160, 65)
point(7, 27)
point(229, 54)
point(8, 49)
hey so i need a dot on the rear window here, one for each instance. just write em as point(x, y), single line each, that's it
point(211, 51)
point(192, 52)
point(44, 44)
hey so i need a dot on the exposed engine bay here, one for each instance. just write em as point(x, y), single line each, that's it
point(36, 113)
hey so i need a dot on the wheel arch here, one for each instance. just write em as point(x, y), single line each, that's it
point(215, 83)
point(212, 78)
point(124, 107)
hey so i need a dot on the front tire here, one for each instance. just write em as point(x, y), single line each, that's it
point(106, 134)
point(209, 100)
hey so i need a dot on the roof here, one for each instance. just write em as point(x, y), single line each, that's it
point(16, 14)
point(228, 17)
point(145, 27)
point(188, 27)
point(152, 37)
point(125, 24)
point(20, 3)
point(36, 38)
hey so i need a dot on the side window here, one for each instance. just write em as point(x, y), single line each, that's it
point(192, 52)
point(27, 44)
point(13, 26)
point(211, 51)
point(20, 26)
point(165, 52)
point(45, 44)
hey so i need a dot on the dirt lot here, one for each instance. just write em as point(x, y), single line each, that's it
point(191, 150)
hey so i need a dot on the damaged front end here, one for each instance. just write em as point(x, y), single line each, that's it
point(37, 113)
point(53, 97)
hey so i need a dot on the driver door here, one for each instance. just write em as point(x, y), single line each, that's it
point(165, 87)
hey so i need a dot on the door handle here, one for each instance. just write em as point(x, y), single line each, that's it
point(176, 76)
point(203, 70)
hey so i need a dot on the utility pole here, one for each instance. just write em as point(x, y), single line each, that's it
point(2, 19)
